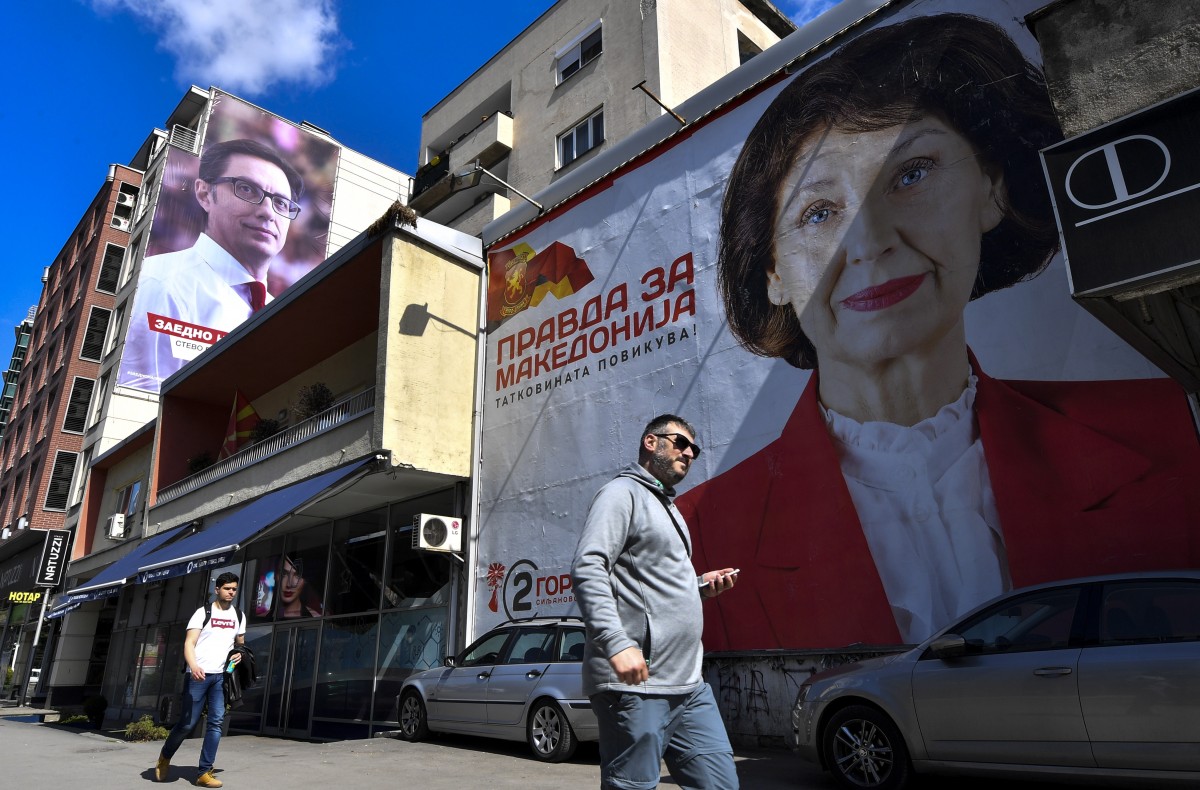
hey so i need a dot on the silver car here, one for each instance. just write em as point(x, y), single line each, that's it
point(1096, 677)
point(520, 681)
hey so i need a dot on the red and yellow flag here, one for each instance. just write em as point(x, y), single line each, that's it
point(242, 420)
point(519, 278)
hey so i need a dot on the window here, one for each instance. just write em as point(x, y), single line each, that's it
point(110, 269)
point(129, 499)
point(746, 48)
point(61, 475)
point(1147, 612)
point(98, 404)
point(1039, 621)
point(93, 336)
point(580, 139)
point(579, 52)
point(77, 405)
point(114, 335)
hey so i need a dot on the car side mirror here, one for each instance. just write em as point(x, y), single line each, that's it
point(948, 646)
point(450, 662)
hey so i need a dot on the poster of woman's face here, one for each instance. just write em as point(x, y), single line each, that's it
point(850, 284)
point(299, 584)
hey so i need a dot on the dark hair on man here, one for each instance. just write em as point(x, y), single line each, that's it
point(216, 156)
point(963, 70)
point(226, 578)
point(663, 421)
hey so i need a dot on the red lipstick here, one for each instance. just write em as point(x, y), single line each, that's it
point(879, 297)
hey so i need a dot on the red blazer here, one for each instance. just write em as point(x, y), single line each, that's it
point(1089, 478)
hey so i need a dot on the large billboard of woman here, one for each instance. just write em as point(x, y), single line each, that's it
point(872, 331)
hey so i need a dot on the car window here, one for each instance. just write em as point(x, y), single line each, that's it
point(1038, 621)
point(571, 646)
point(532, 646)
point(486, 651)
point(1146, 612)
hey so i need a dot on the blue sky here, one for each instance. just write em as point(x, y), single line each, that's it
point(91, 78)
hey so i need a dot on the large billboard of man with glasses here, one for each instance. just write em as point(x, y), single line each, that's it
point(231, 230)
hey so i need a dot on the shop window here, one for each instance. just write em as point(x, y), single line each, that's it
point(415, 577)
point(356, 572)
point(580, 52)
point(346, 668)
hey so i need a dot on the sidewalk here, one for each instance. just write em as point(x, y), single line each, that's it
point(37, 755)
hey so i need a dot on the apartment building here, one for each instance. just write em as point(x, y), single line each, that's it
point(8, 395)
point(48, 388)
point(566, 88)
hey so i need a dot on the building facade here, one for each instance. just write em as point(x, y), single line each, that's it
point(8, 397)
point(52, 389)
point(317, 518)
point(565, 88)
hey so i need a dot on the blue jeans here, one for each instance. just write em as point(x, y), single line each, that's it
point(637, 731)
point(195, 694)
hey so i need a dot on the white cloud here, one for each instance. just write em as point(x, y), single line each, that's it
point(804, 11)
point(245, 46)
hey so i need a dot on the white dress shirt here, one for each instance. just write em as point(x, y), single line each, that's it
point(203, 287)
point(928, 512)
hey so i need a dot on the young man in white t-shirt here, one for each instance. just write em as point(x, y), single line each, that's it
point(206, 649)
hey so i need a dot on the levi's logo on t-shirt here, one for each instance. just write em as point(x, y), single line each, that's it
point(218, 622)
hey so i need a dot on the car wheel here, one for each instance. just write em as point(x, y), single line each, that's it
point(414, 724)
point(548, 733)
point(863, 749)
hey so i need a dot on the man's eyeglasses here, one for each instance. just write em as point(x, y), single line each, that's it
point(681, 442)
point(253, 193)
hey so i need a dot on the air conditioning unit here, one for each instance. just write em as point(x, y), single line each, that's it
point(115, 529)
point(120, 223)
point(126, 199)
point(437, 533)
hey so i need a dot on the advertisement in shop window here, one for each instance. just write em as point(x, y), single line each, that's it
point(233, 228)
point(848, 280)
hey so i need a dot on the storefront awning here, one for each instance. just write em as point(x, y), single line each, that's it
point(216, 544)
point(109, 580)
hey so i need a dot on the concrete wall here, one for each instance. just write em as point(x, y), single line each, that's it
point(755, 693)
point(425, 396)
point(363, 191)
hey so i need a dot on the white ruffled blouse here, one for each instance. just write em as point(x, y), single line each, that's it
point(928, 512)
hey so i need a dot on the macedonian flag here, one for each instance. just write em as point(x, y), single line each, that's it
point(520, 278)
point(242, 420)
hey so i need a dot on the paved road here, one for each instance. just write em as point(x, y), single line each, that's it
point(36, 757)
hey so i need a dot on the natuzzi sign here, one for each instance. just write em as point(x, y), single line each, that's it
point(1127, 199)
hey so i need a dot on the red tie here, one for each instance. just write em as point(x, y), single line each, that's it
point(258, 296)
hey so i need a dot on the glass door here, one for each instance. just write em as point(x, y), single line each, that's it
point(290, 681)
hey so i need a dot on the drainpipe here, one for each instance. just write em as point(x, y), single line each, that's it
point(476, 452)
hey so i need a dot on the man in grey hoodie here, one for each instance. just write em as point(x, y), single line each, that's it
point(640, 599)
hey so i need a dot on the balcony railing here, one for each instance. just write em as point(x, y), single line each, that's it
point(339, 414)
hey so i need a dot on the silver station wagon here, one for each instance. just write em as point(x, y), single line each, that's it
point(520, 681)
point(1096, 677)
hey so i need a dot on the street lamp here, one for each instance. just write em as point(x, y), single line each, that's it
point(471, 176)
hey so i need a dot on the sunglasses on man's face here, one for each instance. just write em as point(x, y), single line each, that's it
point(681, 442)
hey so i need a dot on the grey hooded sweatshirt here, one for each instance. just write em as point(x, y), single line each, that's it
point(634, 581)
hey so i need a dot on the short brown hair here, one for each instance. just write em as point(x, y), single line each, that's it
point(962, 69)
